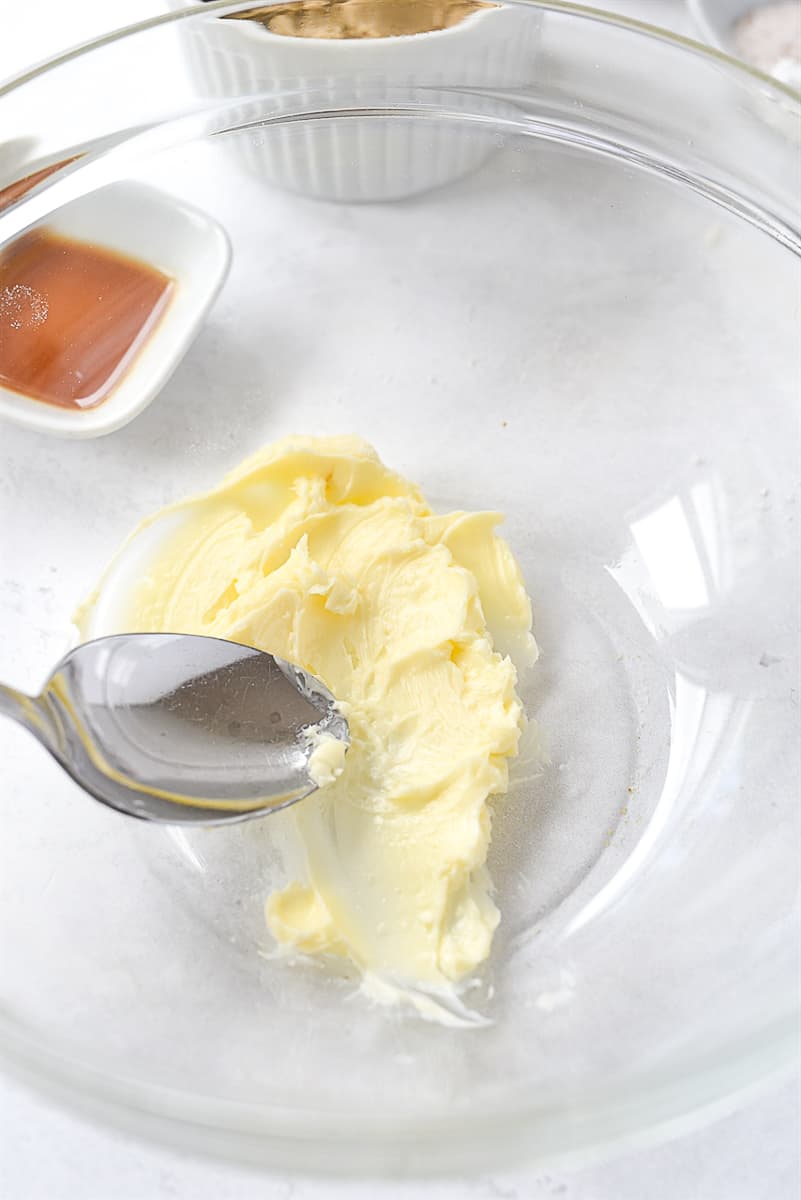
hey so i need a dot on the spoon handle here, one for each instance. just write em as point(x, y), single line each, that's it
point(30, 712)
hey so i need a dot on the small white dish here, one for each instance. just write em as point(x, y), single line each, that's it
point(363, 160)
point(716, 20)
point(166, 233)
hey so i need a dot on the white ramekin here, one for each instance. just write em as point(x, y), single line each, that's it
point(363, 158)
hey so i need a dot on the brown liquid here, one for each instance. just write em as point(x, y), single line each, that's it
point(341, 19)
point(10, 194)
point(72, 316)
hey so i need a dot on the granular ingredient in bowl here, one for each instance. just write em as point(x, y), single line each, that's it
point(352, 19)
point(769, 37)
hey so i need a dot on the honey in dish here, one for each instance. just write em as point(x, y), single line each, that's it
point(72, 316)
point(343, 19)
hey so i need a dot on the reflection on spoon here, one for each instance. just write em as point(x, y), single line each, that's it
point(185, 729)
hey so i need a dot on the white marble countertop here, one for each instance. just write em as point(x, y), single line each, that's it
point(46, 1154)
point(49, 1154)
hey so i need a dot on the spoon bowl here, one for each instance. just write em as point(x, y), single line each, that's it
point(182, 729)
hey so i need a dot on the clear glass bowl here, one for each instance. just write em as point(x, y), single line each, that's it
point(592, 326)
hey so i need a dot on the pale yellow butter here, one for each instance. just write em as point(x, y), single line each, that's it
point(314, 551)
point(327, 761)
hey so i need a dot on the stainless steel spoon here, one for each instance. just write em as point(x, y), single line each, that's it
point(177, 728)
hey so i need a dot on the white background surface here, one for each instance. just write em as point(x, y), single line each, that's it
point(47, 1154)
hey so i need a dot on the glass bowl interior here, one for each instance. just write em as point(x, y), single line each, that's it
point(588, 321)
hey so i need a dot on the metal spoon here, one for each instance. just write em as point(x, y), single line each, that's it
point(177, 728)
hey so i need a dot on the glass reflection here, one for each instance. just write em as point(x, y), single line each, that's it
point(678, 556)
point(676, 569)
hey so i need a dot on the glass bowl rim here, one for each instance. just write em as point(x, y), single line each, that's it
point(603, 16)
point(680, 1100)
